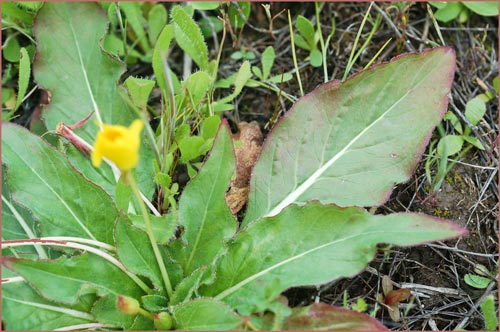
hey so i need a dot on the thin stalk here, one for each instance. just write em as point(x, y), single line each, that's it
point(149, 231)
point(294, 55)
point(350, 63)
point(378, 53)
point(321, 41)
point(436, 25)
point(170, 118)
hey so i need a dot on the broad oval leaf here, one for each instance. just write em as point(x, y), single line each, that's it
point(321, 316)
point(349, 143)
point(312, 245)
point(81, 77)
point(65, 202)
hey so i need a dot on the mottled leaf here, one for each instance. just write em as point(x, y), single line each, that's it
point(349, 143)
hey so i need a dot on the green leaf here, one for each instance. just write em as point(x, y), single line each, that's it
point(139, 90)
point(315, 58)
point(310, 245)
point(321, 316)
point(189, 37)
point(135, 251)
point(280, 78)
point(80, 76)
point(239, 15)
point(163, 227)
point(157, 19)
point(24, 76)
point(42, 178)
point(186, 288)
point(24, 309)
point(105, 312)
point(474, 110)
point(449, 12)
point(455, 122)
point(11, 50)
point(476, 281)
point(449, 145)
point(474, 141)
point(196, 87)
point(11, 10)
point(136, 21)
point(483, 8)
point(209, 126)
point(301, 42)
point(64, 279)
point(205, 314)
point(205, 5)
point(489, 313)
point(324, 148)
point(203, 212)
point(267, 61)
point(306, 29)
point(161, 49)
point(191, 147)
point(17, 221)
point(155, 303)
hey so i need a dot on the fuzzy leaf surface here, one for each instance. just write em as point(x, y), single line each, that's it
point(203, 211)
point(312, 245)
point(80, 76)
point(40, 177)
point(205, 314)
point(321, 316)
point(349, 143)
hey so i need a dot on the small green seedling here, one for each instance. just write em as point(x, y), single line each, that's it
point(308, 39)
point(452, 145)
point(460, 11)
point(481, 278)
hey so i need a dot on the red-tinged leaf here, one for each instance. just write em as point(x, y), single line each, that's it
point(396, 296)
point(349, 142)
point(321, 316)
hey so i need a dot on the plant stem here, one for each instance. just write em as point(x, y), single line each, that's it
point(293, 54)
point(149, 231)
point(321, 41)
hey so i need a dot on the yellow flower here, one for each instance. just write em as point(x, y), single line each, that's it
point(118, 144)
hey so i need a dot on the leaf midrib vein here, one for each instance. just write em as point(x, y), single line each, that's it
point(309, 181)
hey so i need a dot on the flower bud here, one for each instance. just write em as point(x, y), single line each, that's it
point(163, 321)
point(128, 305)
